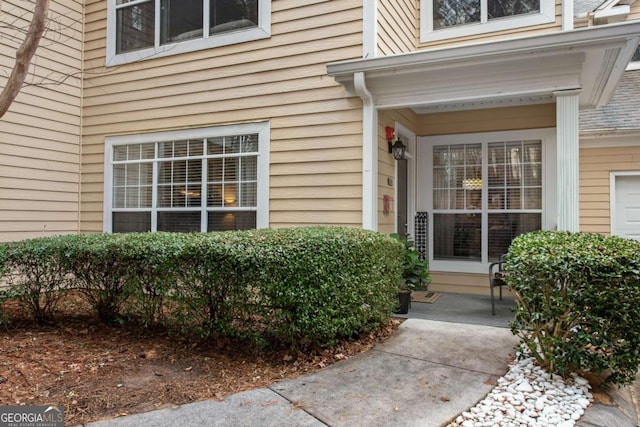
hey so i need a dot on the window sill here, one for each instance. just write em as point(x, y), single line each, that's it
point(218, 40)
point(428, 34)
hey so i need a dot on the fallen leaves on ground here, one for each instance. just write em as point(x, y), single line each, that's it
point(98, 371)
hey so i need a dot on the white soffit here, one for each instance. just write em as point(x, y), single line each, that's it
point(519, 71)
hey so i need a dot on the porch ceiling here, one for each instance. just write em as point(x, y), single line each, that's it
point(519, 71)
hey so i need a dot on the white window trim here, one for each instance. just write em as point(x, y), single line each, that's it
point(425, 204)
point(633, 65)
point(427, 33)
point(263, 129)
point(613, 199)
point(262, 31)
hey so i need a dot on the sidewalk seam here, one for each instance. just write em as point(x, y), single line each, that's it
point(299, 408)
point(444, 364)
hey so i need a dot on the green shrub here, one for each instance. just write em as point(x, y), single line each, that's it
point(302, 286)
point(152, 265)
point(578, 296)
point(323, 283)
point(101, 269)
point(35, 274)
point(211, 292)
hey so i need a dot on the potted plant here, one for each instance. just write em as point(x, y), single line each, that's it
point(415, 275)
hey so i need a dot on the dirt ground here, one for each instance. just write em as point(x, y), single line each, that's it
point(98, 371)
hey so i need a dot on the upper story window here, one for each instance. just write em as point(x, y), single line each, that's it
point(443, 19)
point(140, 29)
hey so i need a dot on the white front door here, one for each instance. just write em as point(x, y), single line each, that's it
point(626, 215)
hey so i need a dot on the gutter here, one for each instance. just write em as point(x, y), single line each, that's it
point(488, 51)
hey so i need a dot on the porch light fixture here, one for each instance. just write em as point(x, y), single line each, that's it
point(397, 148)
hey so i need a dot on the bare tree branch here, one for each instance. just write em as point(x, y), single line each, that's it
point(24, 54)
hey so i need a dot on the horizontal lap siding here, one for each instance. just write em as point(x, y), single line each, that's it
point(316, 154)
point(40, 134)
point(387, 164)
point(398, 26)
point(595, 167)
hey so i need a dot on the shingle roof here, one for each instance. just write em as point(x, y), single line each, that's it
point(584, 6)
point(622, 112)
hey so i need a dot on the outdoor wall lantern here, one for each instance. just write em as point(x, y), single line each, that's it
point(397, 148)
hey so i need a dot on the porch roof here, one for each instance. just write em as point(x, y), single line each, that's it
point(519, 71)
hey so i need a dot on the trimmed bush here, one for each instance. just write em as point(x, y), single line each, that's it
point(35, 274)
point(302, 286)
point(101, 267)
point(578, 296)
point(322, 283)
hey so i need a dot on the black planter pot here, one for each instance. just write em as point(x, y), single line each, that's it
point(404, 298)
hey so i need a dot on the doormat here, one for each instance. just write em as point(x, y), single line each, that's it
point(425, 296)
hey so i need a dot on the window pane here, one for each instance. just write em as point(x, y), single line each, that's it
point(504, 227)
point(180, 20)
point(119, 174)
point(447, 13)
point(135, 27)
point(118, 197)
point(249, 144)
point(214, 146)
point(496, 198)
point(636, 55)
point(214, 170)
point(457, 236)
point(129, 222)
point(248, 195)
point(533, 198)
point(120, 152)
point(179, 221)
point(165, 193)
point(501, 8)
point(220, 221)
point(214, 195)
point(230, 15)
point(441, 199)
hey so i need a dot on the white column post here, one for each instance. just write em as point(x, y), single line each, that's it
point(369, 154)
point(568, 179)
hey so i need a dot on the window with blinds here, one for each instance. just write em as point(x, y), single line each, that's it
point(203, 184)
point(484, 195)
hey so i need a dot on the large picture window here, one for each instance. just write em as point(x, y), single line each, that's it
point(199, 180)
point(151, 28)
point(483, 190)
point(441, 19)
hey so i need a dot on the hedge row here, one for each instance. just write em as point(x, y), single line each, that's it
point(578, 298)
point(302, 286)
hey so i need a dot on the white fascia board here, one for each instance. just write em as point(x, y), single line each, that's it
point(503, 48)
point(592, 59)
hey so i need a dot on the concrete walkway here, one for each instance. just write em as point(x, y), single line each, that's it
point(425, 375)
point(442, 360)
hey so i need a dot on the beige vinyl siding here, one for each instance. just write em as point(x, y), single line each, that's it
point(398, 26)
point(489, 120)
point(635, 12)
point(387, 164)
point(40, 134)
point(316, 132)
point(595, 167)
point(465, 283)
point(501, 35)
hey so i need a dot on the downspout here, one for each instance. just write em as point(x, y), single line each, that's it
point(369, 154)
